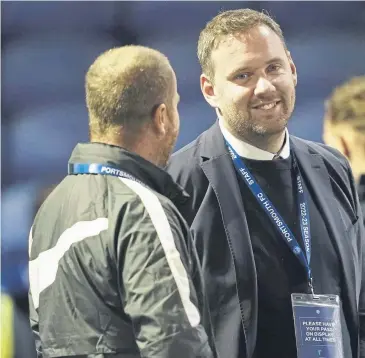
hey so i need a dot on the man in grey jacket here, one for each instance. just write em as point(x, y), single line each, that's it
point(113, 271)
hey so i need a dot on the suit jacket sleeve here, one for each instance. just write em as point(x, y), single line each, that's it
point(360, 237)
point(187, 173)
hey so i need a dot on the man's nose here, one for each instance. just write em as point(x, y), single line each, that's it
point(263, 86)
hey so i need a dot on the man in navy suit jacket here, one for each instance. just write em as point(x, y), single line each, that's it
point(249, 78)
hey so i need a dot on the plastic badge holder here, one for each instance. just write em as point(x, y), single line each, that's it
point(317, 326)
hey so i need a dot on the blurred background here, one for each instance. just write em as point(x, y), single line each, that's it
point(47, 48)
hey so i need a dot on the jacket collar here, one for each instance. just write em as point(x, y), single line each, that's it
point(120, 158)
point(211, 143)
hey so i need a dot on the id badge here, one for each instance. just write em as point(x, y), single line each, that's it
point(317, 325)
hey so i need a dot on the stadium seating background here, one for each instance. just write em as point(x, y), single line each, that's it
point(48, 46)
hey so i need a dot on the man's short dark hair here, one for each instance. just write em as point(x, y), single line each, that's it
point(228, 23)
point(123, 87)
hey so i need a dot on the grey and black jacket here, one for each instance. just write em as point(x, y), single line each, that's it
point(113, 271)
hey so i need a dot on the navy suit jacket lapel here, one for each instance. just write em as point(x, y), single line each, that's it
point(219, 170)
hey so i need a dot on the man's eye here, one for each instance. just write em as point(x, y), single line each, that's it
point(242, 76)
point(274, 67)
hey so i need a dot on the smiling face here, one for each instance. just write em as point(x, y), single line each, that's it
point(254, 83)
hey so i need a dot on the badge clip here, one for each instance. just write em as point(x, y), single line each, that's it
point(310, 284)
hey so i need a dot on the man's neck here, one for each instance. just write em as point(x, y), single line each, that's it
point(272, 143)
point(141, 148)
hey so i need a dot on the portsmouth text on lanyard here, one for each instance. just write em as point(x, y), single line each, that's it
point(96, 168)
point(274, 215)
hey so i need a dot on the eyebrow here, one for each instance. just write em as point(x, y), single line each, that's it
point(275, 59)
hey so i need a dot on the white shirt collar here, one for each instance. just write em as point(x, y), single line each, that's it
point(248, 151)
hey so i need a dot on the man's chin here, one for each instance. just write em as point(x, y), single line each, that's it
point(265, 130)
point(278, 126)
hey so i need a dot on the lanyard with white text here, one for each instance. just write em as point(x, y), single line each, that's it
point(274, 215)
point(95, 168)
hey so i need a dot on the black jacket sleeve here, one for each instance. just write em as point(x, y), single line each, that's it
point(156, 282)
point(33, 314)
point(34, 324)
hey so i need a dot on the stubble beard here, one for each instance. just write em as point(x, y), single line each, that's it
point(166, 149)
point(244, 126)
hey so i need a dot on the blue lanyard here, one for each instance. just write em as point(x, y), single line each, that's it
point(95, 168)
point(274, 215)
